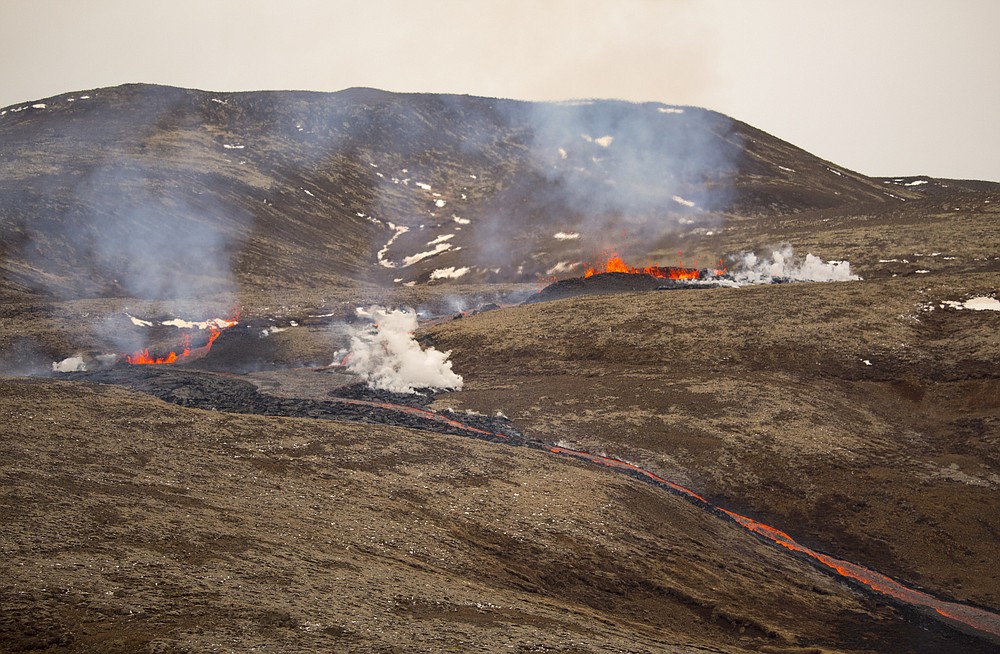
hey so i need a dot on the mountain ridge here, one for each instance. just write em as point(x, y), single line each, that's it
point(363, 184)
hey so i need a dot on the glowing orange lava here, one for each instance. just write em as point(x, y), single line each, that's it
point(964, 616)
point(979, 620)
point(615, 264)
point(215, 329)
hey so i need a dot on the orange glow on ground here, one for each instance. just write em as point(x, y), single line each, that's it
point(614, 264)
point(143, 357)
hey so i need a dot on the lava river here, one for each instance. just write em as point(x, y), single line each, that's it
point(963, 617)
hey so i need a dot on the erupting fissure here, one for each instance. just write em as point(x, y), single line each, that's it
point(614, 264)
point(215, 329)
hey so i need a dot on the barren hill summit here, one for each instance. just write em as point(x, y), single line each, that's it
point(154, 191)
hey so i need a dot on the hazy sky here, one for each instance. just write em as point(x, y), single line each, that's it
point(885, 87)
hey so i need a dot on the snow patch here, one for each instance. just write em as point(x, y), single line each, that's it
point(399, 231)
point(309, 193)
point(440, 203)
point(679, 200)
point(562, 153)
point(566, 236)
point(603, 141)
point(670, 110)
point(973, 304)
point(449, 273)
point(562, 266)
point(233, 146)
point(441, 239)
point(916, 182)
point(420, 256)
point(40, 105)
point(138, 322)
point(426, 187)
point(217, 323)
point(460, 220)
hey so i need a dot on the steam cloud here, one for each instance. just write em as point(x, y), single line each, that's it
point(386, 355)
point(782, 265)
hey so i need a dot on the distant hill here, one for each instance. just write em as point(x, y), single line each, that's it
point(153, 191)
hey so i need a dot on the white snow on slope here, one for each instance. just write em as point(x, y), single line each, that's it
point(420, 256)
point(974, 304)
point(426, 187)
point(679, 200)
point(441, 239)
point(460, 220)
point(399, 231)
point(603, 141)
point(670, 110)
point(179, 323)
point(440, 203)
point(561, 267)
point(449, 273)
point(566, 236)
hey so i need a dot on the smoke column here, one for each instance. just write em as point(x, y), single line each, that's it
point(386, 355)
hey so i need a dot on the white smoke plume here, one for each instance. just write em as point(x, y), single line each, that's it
point(70, 364)
point(783, 265)
point(387, 356)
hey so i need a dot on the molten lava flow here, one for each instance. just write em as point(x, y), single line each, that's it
point(968, 617)
point(615, 264)
point(215, 329)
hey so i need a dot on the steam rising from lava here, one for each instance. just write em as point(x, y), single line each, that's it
point(783, 265)
point(386, 355)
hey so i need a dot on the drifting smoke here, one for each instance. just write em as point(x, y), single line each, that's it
point(782, 265)
point(386, 355)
